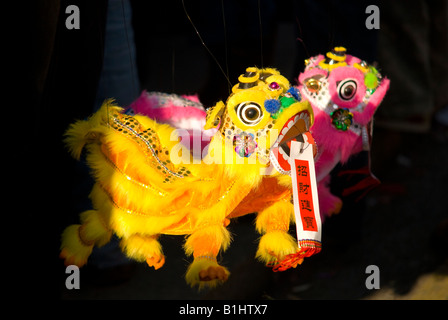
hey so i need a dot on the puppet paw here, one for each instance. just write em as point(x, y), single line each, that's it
point(73, 259)
point(337, 206)
point(212, 273)
point(206, 272)
point(156, 262)
point(275, 246)
point(144, 248)
point(73, 250)
point(329, 204)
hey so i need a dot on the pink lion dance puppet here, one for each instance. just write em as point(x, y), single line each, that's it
point(344, 93)
point(184, 112)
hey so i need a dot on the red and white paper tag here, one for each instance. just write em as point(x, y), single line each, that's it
point(306, 203)
point(305, 197)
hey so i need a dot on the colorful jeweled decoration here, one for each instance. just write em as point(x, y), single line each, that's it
point(342, 119)
point(245, 144)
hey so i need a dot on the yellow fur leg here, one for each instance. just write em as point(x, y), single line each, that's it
point(206, 272)
point(276, 217)
point(208, 240)
point(144, 248)
point(78, 240)
point(95, 228)
point(205, 244)
point(275, 245)
point(74, 250)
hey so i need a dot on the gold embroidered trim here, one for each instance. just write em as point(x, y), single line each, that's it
point(129, 211)
point(130, 127)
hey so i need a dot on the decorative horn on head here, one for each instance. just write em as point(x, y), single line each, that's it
point(247, 80)
point(335, 58)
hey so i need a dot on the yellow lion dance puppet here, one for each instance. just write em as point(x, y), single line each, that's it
point(147, 185)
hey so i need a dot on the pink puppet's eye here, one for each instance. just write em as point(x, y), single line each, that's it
point(347, 89)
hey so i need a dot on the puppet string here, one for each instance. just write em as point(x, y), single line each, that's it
point(225, 44)
point(202, 41)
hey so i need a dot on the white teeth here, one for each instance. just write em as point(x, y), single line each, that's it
point(283, 153)
point(288, 126)
point(303, 115)
point(279, 137)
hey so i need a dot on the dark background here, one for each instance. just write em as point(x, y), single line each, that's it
point(400, 226)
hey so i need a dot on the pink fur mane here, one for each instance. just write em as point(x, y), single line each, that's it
point(182, 112)
point(149, 105)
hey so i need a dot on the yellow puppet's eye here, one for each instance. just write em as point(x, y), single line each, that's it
point(250, 113)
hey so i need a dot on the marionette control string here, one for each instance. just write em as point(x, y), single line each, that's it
point(225, 73)
point(202, 41)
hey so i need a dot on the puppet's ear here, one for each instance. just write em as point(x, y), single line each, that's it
point(214, 115)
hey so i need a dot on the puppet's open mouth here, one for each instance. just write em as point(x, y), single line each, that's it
point(291, 131)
